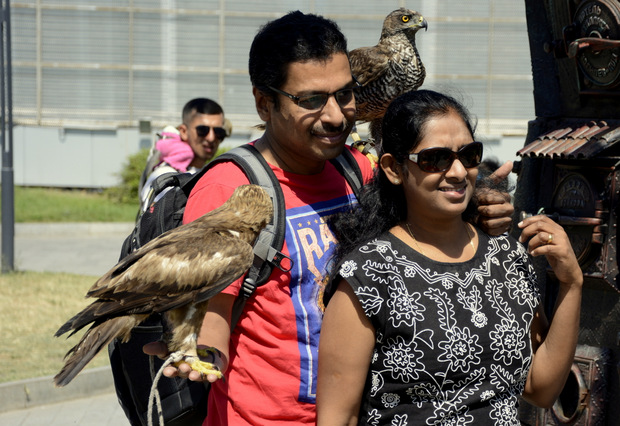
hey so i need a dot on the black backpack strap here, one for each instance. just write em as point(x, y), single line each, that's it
point(164, 181)
point(160, 183)
point(350, 169)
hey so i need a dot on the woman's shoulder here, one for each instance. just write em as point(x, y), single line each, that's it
point(377, 244)
point(363, 252)
point(506, 241)
point(502, 237)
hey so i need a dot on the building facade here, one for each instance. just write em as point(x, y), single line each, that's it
point(94, 80)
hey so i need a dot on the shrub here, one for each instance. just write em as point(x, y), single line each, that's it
point(127, 190)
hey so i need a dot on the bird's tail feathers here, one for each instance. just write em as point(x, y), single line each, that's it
point(68, 326)
point(95, 311)
point(79, 320)
point(93, 341)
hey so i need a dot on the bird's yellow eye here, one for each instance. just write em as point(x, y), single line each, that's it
point(405, 18)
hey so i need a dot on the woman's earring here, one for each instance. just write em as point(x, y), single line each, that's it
point(396, 181)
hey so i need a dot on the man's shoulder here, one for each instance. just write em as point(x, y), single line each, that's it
point(224, 174)
point(214, 187)
point(224, 169)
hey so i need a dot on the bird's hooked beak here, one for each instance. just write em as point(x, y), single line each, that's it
point(420, 24)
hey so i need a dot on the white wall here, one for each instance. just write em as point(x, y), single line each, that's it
point(82, 158)
point(78, 158)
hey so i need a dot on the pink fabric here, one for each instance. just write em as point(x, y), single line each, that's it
point(174, 151)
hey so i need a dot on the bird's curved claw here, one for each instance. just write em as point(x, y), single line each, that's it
point(366, 147)
point(197, 364)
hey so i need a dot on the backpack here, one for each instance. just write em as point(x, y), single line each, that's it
point(184, 401)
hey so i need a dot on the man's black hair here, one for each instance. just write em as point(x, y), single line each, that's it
point(295, 37)
point(200, 106)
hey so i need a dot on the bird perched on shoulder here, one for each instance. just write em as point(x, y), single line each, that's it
point(175, 274)
point(389, 69)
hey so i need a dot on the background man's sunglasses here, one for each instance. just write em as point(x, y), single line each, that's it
point(202, 131)
point(435, 160)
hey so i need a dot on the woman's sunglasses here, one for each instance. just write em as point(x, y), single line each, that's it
point(202, 131)
point(435, 160)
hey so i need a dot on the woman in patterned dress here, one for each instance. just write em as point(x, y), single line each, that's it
point(430, 320)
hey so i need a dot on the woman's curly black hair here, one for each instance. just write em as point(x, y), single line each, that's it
point(381, 204)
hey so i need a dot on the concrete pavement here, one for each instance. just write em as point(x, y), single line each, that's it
point(90, 400)
point(79, 248)
point(97, 410)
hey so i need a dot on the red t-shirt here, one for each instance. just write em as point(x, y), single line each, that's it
point(271, 378)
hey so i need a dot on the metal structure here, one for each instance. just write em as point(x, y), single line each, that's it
point(105, 64)
point(6, 141)
point(570, 169)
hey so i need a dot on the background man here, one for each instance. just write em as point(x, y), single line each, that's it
point(186, 148)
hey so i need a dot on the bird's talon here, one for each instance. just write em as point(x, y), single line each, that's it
point(202, 367)
point(364, 146)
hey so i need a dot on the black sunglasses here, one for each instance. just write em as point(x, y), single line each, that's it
point(317, 101)
point(435, 160)
point(202, 131)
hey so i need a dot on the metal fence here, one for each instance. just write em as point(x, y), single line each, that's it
point(101, 64)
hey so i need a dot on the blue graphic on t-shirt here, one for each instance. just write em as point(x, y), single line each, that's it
point(311, 245)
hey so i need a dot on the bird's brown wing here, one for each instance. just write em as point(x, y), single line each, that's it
point(167, 276)
point(173, 274)
point(180, 239)
point(369, 63)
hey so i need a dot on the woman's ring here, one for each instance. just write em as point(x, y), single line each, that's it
point(550, 239)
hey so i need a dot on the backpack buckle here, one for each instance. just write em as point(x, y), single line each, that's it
point(282, 261)
point(248, 287)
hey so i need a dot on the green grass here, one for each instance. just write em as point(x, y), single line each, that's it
point(63, 205)
point(32, 307)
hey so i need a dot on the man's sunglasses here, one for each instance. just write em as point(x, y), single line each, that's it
point(343, 97)
point(435, 160)
point(202, 131)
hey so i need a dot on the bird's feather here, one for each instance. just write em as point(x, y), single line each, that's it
point(369, 63)
point(391, 67)
point(93, 341)
point(175, 274)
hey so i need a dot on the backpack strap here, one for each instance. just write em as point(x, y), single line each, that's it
point(270, 241)
point(160, 183)
point(346, 164)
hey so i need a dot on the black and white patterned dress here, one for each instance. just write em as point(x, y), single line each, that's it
point(452, 339)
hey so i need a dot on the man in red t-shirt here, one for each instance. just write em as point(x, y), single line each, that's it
point(303, 90)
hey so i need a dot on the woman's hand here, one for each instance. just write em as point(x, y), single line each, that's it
point(548, 238)
point(554, 344)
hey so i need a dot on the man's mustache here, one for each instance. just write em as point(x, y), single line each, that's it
point(328, 128)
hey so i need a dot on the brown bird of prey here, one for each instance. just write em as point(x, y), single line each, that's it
point(389, 69)
point(175, 274)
